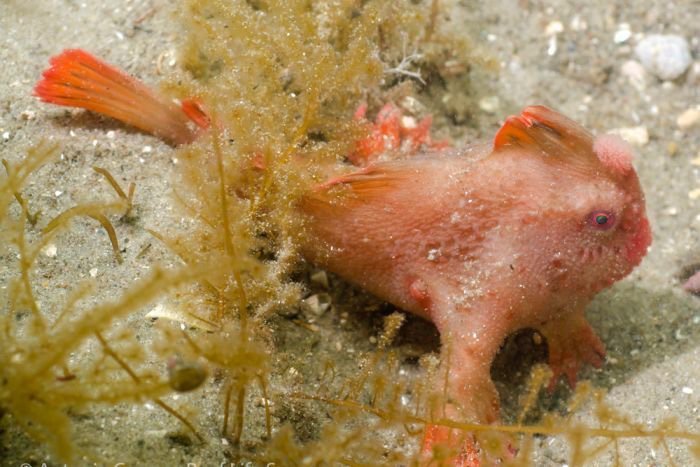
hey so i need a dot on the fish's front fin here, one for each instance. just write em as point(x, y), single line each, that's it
point(543, 129)
point(78, 79)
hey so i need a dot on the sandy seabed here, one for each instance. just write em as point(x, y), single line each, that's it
point(556, 53)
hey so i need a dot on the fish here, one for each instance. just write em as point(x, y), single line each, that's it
point(521, 232)
point(484, 240)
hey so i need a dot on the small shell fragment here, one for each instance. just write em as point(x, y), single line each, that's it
point(161, 311)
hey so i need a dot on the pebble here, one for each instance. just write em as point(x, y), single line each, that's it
point(317, 304)
point(694, 75)
point(688, 118)
point(672, 148)
point(489, 104)
point(320, 278)
point(666, 56)
point(554, 27)
point(27, 115)
point(408, 122)
point(623, 34)
point(50, 250)
point(637, 135)
point(578, 24)
point(635, 74)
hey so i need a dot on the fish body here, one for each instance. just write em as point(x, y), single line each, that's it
point(522, 231)
point(516, 223)
point(490, 239)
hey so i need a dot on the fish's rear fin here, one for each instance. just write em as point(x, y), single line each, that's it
point(78, 79)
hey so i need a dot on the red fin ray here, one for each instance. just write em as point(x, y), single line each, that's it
point(543, 129)
point(373, 180)
point(367, 185)
point(78, 79)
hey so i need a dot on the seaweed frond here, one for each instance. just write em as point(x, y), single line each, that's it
point(39, 384)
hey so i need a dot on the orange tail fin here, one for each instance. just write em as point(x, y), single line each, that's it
point(78, 79)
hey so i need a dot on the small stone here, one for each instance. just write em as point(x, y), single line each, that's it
point(637, 135)
point(262, 402)
point(552, 45)
point(185, 375)
point(50, 250)
point(317, 304)
point(694, 194)
point(93, 272)
point(578, 24)
point(672, 148)
point(555, 27)
point(412, 105)
point(687, 390)
point(666, 56)
point(635, 74)
point(320, 278)
point(489, 104)
point(695, 161)
point(688, 118)
point(623, 34)
point(27, 115)
point(408, 122)
point(694, 75)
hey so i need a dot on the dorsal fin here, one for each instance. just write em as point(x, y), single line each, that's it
point(543, 129)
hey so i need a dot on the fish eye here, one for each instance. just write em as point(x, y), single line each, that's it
point(601, 220)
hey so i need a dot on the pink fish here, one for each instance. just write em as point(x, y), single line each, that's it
point(483, 241)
